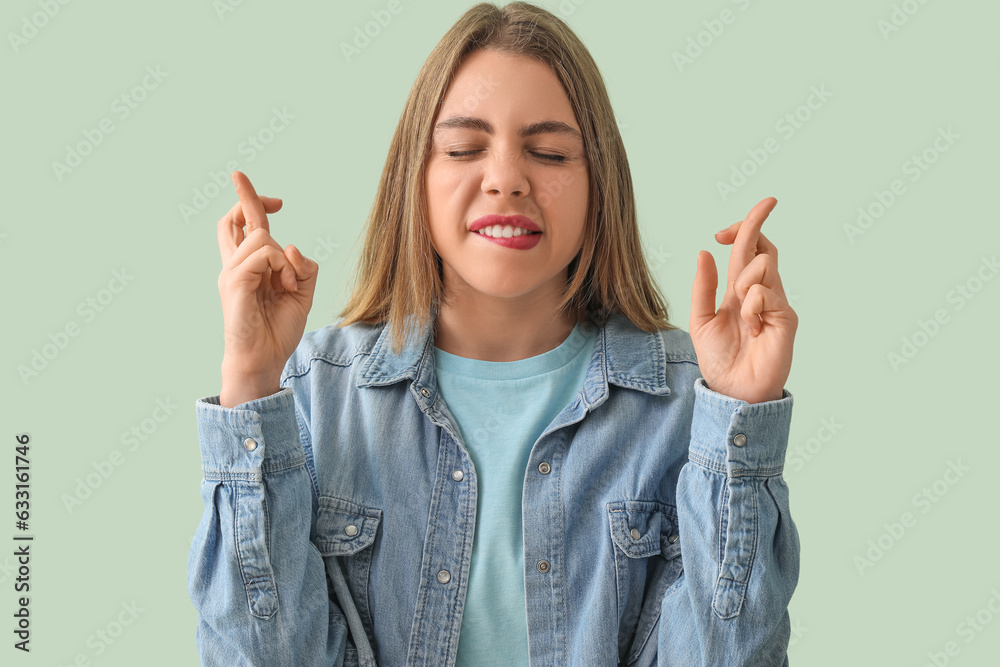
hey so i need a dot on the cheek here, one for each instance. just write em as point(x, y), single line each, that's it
point(574, 203)
point(447, 203)
point(567, 193)
point(445, 185)
point(450, 171)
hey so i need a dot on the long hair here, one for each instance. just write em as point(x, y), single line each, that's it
point(399, 277)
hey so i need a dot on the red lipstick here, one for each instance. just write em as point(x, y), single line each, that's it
point(523, 242)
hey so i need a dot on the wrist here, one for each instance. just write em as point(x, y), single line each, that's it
point(232, 395)
point(239, 388)
point(751, 398)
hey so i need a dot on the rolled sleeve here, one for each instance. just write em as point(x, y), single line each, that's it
point(719, 421)
point(739, 544)
point(257, 582)
point(249, 439)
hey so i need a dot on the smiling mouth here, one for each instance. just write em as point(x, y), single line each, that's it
point(504, 231)
point(505, 224)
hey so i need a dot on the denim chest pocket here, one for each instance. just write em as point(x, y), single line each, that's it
point(344, 528)
point(647, 567)
point(346, 532)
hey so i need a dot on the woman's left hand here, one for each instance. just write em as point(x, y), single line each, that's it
point(745, 349)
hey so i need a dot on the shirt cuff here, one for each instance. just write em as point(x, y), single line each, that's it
point(249, 439)
point(734, 437)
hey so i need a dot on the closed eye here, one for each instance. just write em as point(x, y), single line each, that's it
point(545, 156)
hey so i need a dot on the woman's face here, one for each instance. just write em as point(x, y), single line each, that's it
point(506, 143)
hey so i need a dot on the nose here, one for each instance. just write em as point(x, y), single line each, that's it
point(503, 174)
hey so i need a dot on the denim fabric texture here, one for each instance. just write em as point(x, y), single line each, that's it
point(336, 530)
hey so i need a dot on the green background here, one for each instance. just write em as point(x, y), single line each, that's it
point(685, 127)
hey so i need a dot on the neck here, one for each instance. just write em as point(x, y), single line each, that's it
point(501, 329)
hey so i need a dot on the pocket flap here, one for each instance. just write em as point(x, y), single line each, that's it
point(343, 527)
point(654, 525)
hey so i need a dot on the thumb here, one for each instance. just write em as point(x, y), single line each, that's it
point(305, 268)
point(706, 281)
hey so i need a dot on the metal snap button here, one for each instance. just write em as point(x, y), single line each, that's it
point(544, 468)
point(444, 576)
point(351, 530)
point(250, 444)
point(673, 538)
point(424, 392)
point(458, 475)
point(635, 534)
point(543, 566)
point(740, 440)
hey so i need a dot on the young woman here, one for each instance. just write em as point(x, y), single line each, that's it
point(503, 453)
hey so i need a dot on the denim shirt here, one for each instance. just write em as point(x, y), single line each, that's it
point(339, 514)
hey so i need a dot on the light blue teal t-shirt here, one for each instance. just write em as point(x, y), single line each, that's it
point(502, 407)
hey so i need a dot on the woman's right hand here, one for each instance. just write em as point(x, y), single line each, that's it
point(266, 295)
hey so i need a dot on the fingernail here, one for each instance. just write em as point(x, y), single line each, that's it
point(233, 176)
point(722, 231)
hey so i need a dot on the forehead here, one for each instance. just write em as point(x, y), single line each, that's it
point(497, 85)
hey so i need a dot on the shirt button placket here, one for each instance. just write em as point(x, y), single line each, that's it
point(444, 576)
point(544, 566)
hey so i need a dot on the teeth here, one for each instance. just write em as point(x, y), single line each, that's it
point(503, 231)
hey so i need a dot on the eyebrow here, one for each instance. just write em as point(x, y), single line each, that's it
point(543, 127)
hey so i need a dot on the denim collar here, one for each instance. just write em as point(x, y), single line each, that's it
point(623, 355)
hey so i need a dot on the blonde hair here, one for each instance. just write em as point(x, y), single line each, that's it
point(399, 276)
